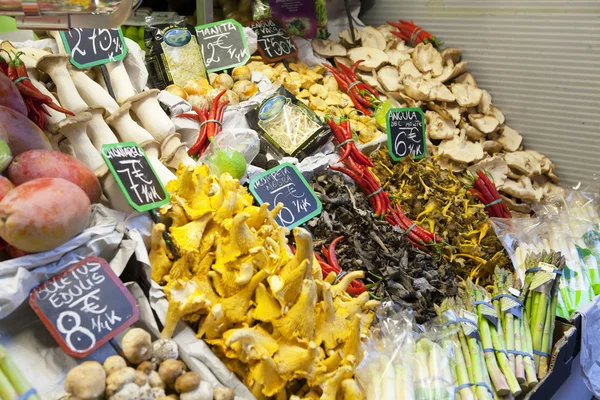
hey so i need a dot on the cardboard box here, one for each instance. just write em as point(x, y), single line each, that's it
point(565, 343)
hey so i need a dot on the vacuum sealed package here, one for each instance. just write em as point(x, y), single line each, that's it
point(172, 53)
point(290, 127)
point(305, 18)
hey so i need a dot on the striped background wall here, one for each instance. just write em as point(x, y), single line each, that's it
point(540, 61)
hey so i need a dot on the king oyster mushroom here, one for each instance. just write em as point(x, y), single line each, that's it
point(328, 48)
point(373, 58)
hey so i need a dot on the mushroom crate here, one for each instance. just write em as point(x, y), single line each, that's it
point(369, 276)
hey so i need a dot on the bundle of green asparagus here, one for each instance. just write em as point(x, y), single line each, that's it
point(492, 339)
point(13, 384)
point(460, 334)
point(509, 302)
point(542, 280)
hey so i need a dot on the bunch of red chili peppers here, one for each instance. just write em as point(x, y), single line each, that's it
point(486, 191)
point(210, 120)
point(357, 167)
point(363, 95)
point(411, 33)
point(34, 99)
point(330, 264)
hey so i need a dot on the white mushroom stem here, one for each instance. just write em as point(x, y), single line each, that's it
point(153, 118)
point(98, 130)
point(55, 65)
point(59, 42)
point(113, 193)
point(127, 129)
point(54, 116)
point(174, 152)
point(92, 92)
point(74, 129)
point(164, 174)
point(120, 82)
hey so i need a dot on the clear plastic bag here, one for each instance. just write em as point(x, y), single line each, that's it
point(220, 155)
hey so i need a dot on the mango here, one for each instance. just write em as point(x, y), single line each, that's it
point(34, 164)
point(42, 214)
point(5, 186)
point(10, 96)
point(20, 133)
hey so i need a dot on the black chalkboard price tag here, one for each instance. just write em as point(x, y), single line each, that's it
point(90, 47)
point(84, 306)
point(223, 45)
point(285, 184)
point(136, 177)
point(406, 133)
point(274, 41)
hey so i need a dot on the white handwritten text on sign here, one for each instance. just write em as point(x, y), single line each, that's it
point(90, 47)
point(406, 133)
point(223, 45)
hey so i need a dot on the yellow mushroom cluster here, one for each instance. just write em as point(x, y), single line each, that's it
point(267, 313)
point(321, 93)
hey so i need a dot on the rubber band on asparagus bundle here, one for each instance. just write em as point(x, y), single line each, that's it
point(541, 353)
point(459, 320)
point(468, 385)
point(509, 296)
point(537, 269)
point(483, 303)
point(490, 350)
point(520, 353)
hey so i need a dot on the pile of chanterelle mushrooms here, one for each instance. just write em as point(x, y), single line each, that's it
point(464, 128)
point(99, 119)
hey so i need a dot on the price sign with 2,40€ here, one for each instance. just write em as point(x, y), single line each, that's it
point(285, 184)
point(84, 306)
point(406, 133)
point(137, 179)
point(90, 47)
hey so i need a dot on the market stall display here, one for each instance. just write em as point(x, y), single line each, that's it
point(419, 278)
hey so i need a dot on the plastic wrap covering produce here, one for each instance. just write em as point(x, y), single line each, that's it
point(395, 270)
point(305, 18)
point(568, 226)
point(406, 361)
point(269, 315)
point(440, 201)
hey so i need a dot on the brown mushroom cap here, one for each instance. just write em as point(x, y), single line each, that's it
point(223, 393)
point(137, 345)
point(50, 60)
point(86, 381)
point(114, 363)
point(187, 382)
point(143, 95)
point(145, 367)
point(117, 114)
point(77, 119)
point(170, 370)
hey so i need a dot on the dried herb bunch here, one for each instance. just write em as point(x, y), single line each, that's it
point(395, 270)
point(440, 201)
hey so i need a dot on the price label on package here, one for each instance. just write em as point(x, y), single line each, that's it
point(91, 47)
point(285, 184)
point(135, 176)
point(273, 40)
point(406, 133)
point(85, 306)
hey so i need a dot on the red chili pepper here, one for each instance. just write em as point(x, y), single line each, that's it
point(331, 251)
point(193, 116)
point(494, 192)
point(356, 288)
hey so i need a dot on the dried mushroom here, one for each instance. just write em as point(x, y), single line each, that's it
point(428, 59)
point(485, 123)
point(523, 162)
point(438, 127)
point(373, 58)
point(328, 48)
point(466, 95)
point(389, 79)
point(461, 150)
point(522, 189)
point(510, 139)
point(370, 37)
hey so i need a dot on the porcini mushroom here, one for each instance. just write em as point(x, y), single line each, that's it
point(187, 382)
point(170, 370)
point(164, 349)
point(86, 381)
point(126, 127)
point(114, 363)
point(370, 37)
point(466, 95)
point(137, 345)
point(74, 129)
point(204, 391)
point(438, 127)
point(510, 139)
point(428, 59)
point(389, 79)
point(129, 391)
point(328, 48)
point(153, 118)
point(120, 82)
point(460, 149)
point(485, 123)
point(119, 378)
point(373, 59)
point(223, 393)
point(55, 65)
